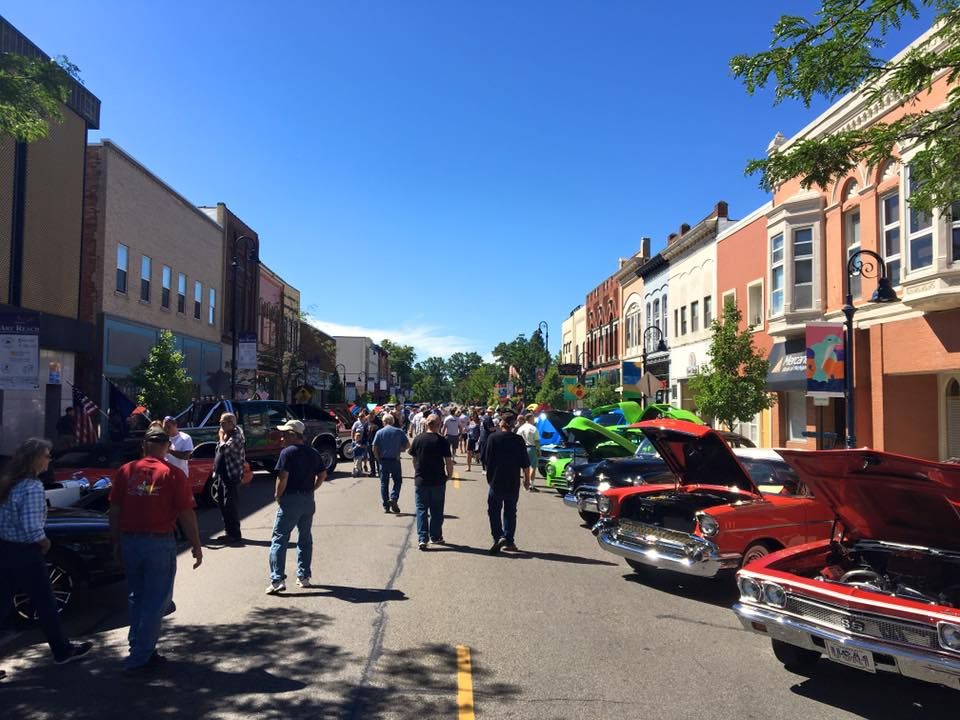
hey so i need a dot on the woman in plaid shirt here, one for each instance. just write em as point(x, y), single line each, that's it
point(23, 543)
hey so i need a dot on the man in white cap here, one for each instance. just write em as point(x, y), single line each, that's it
point(300, 471)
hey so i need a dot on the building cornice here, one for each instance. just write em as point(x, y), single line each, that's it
point(657, 262)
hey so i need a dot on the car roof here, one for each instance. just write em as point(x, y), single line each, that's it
point(757, 454)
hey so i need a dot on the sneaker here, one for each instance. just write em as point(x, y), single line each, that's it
point(276, 586)
point(510, 547)
point(394, 506)
point(228, 540)
point(495, 548)
point(422, 545)
point(387, 510)
point(439, 541)
point(77, 651)
point(304, 582)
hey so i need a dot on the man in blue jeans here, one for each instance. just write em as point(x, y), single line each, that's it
point(387, 445)
point(300, 471)
point(433, 464)
point(147, 498)
point(505, 458)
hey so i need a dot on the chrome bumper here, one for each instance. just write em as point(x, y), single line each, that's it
point(916, 664)
point(570, 500)
point(584, 502)
point(689, 554)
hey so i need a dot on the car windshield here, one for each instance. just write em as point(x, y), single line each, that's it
point(609, 419)
point(646, 449)
point(771, 476)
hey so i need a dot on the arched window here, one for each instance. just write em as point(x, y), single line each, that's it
point(953, 418)
point(849, 190)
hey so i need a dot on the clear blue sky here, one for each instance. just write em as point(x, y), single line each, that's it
point(444, 173)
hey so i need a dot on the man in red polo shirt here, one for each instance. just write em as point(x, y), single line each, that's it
point(147, 498)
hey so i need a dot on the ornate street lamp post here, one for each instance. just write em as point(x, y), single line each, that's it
point(873, 266)
point(661, 345)
point(542, 326)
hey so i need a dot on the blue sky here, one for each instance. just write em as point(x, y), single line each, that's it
point(443, 173)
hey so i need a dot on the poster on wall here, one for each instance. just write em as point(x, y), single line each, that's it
point(825, 359)
point(572, 389)
point(19, 351)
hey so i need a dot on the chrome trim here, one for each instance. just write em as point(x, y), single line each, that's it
point(570, 500)
point(669, 550)
point(929, 667)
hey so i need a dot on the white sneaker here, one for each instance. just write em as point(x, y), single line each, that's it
point(304, 582)
point(276, 586)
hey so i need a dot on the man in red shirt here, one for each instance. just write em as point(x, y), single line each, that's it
point(147, 499)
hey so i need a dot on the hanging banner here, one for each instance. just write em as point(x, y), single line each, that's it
point(825, 358)
point(632, 373)
point(572, 389)
point(246, 351)
point(19, 351)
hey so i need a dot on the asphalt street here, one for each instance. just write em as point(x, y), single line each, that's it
point(559, 630)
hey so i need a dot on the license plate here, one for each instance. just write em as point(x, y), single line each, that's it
point(860, 659)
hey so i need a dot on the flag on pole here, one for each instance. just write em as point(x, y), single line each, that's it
point(85, 410)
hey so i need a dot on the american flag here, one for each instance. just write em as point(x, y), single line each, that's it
point(86, 410)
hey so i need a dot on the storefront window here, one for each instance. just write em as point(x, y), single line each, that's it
point(920, 224)
point(796, 414)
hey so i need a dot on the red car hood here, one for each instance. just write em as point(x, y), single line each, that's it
point(696, 454)
point(882, 496)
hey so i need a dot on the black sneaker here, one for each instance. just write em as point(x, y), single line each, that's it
point(394, 507)
point(77, 651)
point(495, 548)
point(387, 510)
point(422, 545)
point(510, 547)
point(439, 541)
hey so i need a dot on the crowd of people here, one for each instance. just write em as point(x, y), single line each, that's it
point(151, 497)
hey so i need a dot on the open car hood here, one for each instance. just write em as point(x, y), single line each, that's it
point(591, 436)
point(630, 410)
point(550, 426)
point(656, 411)
point(696, 454)
point(882, 496)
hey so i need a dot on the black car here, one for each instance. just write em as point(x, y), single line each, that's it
point(81, 554)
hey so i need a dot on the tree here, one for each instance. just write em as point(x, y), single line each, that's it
point(733, 387)
point(460, 365)
point(402, 358)
point(526, 357)
point(477, 387)
point(163, 386)
point(336, 393)
point(551, 392)
point(601, 393)
point(32, 90)
point(834, 54)
point(429, 389)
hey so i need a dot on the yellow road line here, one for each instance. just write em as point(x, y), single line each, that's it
point(464, 684)
point(456, 480)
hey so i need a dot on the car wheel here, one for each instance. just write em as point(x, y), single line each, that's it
point(328, 455)
point(560, 491)
point(346, 451)
point(210, 492)
point(64, 580)
point(795, 659)
point(638, 568)
point(589, 518)
point(755, 552)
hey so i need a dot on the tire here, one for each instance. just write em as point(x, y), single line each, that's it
point(328, 453)
point(588, 517)
point(795, 659)
point(346, 452)
point(755, 552)
point(65, 578)
point(638, 568)
point(208, 498)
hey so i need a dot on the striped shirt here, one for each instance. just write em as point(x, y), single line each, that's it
point(24, 514)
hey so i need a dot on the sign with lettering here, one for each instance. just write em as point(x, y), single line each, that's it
point(247, 351)
point(19, 351)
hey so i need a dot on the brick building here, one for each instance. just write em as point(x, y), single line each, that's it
point(603, 332)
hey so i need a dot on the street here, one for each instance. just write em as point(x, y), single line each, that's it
point(559, 630)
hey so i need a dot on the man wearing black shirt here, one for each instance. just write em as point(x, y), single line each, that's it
point(505, 458)
point(433, 464)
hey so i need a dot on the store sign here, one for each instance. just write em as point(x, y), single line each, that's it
point(825, 359)
point(19, 351)
point(568, 369)
point(313, 375)
point(247, 351)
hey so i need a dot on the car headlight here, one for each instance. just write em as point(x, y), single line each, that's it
point(750, 589)
point(774, 595)
point(603, 504)
point(602, 487)
point(949, 635)
point(708, 525)
point(568, 473)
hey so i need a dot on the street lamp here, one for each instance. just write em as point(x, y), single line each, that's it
point(661, 345)
point(546, 333)
point(344, 376)
point(234, 264)
point(874, 266)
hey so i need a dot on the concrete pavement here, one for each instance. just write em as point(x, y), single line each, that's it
point(559, 630)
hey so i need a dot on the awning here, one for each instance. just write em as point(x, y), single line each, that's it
point(788, 366)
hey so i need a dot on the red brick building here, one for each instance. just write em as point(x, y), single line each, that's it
point(603, 332)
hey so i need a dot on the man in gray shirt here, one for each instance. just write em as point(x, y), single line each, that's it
point(388, 443)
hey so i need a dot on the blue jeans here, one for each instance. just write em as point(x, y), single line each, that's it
point(502, 502)
point(295, 511)
point(388, 469)
point(429, 500)
point(150, 563)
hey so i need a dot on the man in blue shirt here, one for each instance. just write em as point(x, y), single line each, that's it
point(300, 471)
point(388, 443)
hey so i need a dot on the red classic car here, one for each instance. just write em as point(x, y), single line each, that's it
point(883, 592)
point(726, 508)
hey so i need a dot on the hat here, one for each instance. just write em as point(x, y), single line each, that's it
point(169, 418)
point(292, 426)
point(156, 435)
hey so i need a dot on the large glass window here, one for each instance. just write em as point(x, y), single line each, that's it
point(803, 269)
point(123, 253)
point(755, 305)
point(145, 266)
point(197, 299)
point(694, 316)
point(776, 275)
point(212, 307)
point(920, 234)
point(683, 320)
point(851, 233)
point(796, 414)
point(890, 227)
point(707, 311)
point(181, 293)
point(165, 286)
point(955, 231)
point(663, 311)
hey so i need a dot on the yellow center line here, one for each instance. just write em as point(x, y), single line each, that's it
point(464, 684)
point(456, 480)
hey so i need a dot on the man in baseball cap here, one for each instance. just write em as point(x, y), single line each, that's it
point(293, 426)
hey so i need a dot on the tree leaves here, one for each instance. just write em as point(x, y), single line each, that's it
point(31, 92)
point(164, 387)
point(551, 392)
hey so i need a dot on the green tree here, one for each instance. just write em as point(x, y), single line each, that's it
point(834, 53)
point(402, 358)
point(32, 89)
point(460, 365)
point(601, 393)
point(163, 386)
point(476, 388)
point(526, 356)
point(733, 387)
point(429, 389)
point(551, 392)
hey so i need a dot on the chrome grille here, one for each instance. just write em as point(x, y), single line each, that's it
point(642, 532)
point(857, 623)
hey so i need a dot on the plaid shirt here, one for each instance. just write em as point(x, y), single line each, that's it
point(24, 514)
point(231, 453)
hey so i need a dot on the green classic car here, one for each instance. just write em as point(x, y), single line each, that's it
point(596, 443)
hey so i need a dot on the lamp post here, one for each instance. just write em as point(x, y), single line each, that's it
point(344, 376)
point(546, 333)
point(873, 266)
point(661, 345)
point(234, 264)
